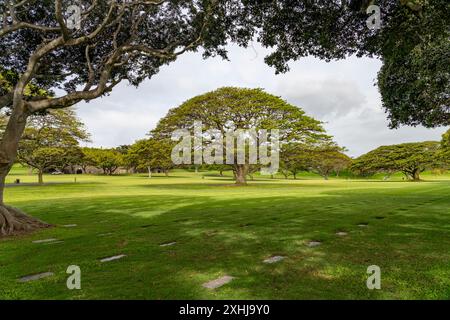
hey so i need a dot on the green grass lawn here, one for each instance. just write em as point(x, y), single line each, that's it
point(225, 230)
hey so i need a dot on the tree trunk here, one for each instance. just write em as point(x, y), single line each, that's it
point(221, 173)
point(295, 176)
point(241, 173)
point(149, 172)
point(416, 175)
point(166, 172)
point(40, 177)
point(12, 220)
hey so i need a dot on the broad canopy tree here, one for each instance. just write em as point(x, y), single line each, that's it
point(323, 157)
point(329, 159)
point(116, 40)
point(51, 141)
point(108, 160)
point(409, 158)
point(229, 109)
point(129, 40)
point(151, 154)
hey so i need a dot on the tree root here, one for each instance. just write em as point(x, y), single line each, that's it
point(13, 221)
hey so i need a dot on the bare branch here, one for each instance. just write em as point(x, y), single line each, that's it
point(22, 25)
point(91, 70)
point(60, 19)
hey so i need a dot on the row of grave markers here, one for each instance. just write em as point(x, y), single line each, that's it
point(216, 283)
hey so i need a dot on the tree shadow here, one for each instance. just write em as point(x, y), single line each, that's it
point(233, 236)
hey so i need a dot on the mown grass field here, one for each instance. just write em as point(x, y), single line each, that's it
point(220, 230)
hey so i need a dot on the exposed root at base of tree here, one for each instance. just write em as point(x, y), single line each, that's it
point(13, 221)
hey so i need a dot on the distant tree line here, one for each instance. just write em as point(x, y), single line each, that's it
point(51, 142)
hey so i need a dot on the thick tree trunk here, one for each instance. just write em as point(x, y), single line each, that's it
point(416, 175)
point(40, 177)
point(12, 220)
point(241, 171)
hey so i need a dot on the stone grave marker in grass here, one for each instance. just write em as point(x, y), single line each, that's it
point(341, 233)
point(37, 276)
point(273, 259)
point(107, 259)
point(70, 225)
point(45, 240)
point(52, 242)
point(105, 234)
point(168, 244)
point(363, 224)
point(314, 243)
point(218, 282)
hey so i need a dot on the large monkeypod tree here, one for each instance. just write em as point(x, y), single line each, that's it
point(106, 43)
point(409, 158)
point(51, 141)
point(229, 109)
point(110, 41)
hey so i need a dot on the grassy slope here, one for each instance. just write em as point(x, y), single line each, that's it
point(221, 229)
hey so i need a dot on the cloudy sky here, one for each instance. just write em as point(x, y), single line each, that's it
point(342, 94)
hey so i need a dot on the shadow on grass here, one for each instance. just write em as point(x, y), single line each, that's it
point(233, 236)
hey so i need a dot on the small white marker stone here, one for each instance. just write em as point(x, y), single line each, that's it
point(120, 256)
point(273, 259)
point(36, 276)
point(362, 225)
point(218, 282)
point(341, 233)
point(53, 242)
point(105, 234)
point(44, 240)
point(313, 244)
point(167, 244)
point(69, 225)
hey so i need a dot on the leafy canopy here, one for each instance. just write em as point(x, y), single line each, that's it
point(409, 158)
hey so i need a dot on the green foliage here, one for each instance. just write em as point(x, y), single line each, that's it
point(151, 154)
point(413, 44)
point(444, 151)
point(109, 160)
point(415, 86)
point(51, 140)
point(294, 157)
point(409, 158)
point(323, 158)
point(228, 109)
point(231, 108)
point(329, 159)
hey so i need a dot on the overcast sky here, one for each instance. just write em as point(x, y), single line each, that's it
point(342, 94)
